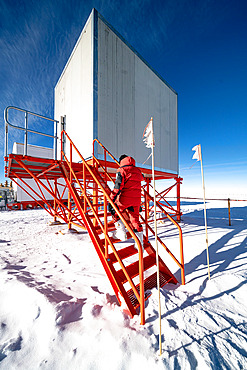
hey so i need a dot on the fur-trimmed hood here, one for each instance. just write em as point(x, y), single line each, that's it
point(127, 161)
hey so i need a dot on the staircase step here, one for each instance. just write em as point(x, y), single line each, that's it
point(133, 269)
point(111, 227)
point(123, 253)
point(99, 214)
point(149, 283)
point(133, 298)
point(101, 179)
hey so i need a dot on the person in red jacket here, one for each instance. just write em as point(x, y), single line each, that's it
point(127, 190)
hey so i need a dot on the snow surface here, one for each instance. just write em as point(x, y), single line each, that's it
point(58, 310)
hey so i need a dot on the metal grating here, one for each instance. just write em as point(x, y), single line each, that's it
point(149, 283)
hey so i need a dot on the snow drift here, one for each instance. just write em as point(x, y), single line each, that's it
point(58, 310)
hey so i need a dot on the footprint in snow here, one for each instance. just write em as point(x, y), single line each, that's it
point(96, 310)
point(69, 311)
point(11, 345)
point(96, 289)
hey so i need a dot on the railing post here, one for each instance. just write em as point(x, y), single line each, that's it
point(229, 212)
point(69, 195)
point(55, 141)
point(105, 226)
point(95, 198)
point(141, 278)
point(178, 180)
point(6, 132)
point(146, 214)
point(54, 201)
point(148, 204)
point(61, 146)
point(25, 139)
point(105, 164)
point(84, 186)
point(182, 257)
point(6, 143)
point(63, 135)
point(94, 143)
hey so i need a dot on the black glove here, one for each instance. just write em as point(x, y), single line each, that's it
point(111, 209)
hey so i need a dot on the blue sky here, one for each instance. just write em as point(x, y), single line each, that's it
point(199, 47)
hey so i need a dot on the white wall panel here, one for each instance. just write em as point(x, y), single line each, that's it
point(74, 93)
point(115, 92)
point(129, 93)
point(33, 150)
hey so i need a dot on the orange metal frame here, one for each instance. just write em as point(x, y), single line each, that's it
point(111, 167)
point(86, 206)
point(161, 202)
point(92, 207)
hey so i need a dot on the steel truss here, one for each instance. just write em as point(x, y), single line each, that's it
point(81, 193)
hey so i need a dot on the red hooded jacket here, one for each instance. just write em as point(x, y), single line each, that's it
point(127, 189)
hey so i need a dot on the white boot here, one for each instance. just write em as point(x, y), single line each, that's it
point(139, 235)
point(120, 232)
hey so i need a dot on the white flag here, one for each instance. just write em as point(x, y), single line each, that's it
point(148, 135)
point(197, 154)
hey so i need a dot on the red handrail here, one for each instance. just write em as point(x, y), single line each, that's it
point(161, 195)
point(139, 296)
point(180, 264)
point(105, 151)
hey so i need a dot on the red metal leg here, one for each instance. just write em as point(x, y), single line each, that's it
point(178, 180)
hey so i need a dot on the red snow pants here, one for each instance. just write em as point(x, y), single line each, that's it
point(131, 214)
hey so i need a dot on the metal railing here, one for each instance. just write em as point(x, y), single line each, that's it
point(139, 295)
point(106, 152)
point(181, 262)
point(27, 130)
point(228, 200)
point(103, 163)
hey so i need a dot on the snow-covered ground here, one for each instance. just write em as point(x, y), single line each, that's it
point(58, 310)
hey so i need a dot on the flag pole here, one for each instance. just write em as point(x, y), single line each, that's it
point(205, 212)
point(156, 240)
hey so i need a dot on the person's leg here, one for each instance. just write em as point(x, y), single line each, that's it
point(120, 232)
point(135, 222)
point(134, 218)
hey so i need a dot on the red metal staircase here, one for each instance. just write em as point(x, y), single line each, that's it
point(131, 272)
point(81, 193)
point(125, 267)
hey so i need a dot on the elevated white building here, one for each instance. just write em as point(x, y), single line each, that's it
point(108, 92)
